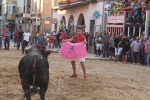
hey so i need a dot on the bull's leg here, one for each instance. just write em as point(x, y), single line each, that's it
point(26, 96)
point(43, 90)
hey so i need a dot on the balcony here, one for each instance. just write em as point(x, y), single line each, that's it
point(65, 4)
point(26, 15)
point(10, 17)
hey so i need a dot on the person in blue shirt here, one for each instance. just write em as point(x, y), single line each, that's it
point(7, 40)
point(64, 30)
point(133, 17)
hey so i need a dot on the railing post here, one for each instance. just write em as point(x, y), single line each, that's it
point(139, 31)
point(128, 30)
point(133, 31)
point(146, 23)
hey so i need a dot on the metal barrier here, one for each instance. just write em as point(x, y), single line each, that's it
point(116, 24)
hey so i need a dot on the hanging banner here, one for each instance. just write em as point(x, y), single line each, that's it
point(73, 51)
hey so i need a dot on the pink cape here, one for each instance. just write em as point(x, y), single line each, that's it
point(73, 51)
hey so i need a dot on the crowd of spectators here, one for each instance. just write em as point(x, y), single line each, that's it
point(122, 48)
point(135, 9)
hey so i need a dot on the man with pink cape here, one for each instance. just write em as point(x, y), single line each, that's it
point(78, 39)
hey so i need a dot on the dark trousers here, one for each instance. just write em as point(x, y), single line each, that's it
point(18, 43)
point(7, 41)
point(24, 44)
point(105, 51)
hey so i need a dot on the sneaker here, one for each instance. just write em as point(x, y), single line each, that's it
point(113, 57)
point(125, 62)
point(138, 63)
point(109, 57)
point(115, 61)
point(133, 63)
point(96, 56)
point(84, 78)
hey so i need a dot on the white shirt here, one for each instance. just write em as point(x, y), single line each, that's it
point(72, 23)
point(47, 34)
point(26, 36)
point(55, 33)
point(107, 7)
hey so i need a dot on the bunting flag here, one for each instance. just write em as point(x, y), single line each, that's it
point(73, 51)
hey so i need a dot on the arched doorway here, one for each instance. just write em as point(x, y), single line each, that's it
point(71, 23)
point(63, 21)
point(81, 22)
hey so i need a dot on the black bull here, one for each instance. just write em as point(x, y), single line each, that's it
point(34, 71)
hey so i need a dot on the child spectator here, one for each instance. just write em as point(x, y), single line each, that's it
point(133, 17)
point(139, 14)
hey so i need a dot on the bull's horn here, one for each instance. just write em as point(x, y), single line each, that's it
point(53, 50)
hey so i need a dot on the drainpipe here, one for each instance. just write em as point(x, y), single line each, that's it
point(51, 18)
point(103, 17)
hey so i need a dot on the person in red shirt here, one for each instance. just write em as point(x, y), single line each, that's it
point(62, 36)
point(78, 38)
point(16, 36)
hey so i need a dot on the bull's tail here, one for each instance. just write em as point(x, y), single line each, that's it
point(32, 91)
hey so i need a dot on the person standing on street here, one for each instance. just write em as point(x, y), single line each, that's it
point(106, 45)
point(125, 47)
point(78, 38)
point(136, 46)
point(147, 49)
point(50, 42)
point(7, 40)
point(20, 38)
point(98, 44)
point(16, 36)
point(33, 38)
point(55, 45)
point(41, 39)
point(26, 37)
point(3, 35)
point(118, 48)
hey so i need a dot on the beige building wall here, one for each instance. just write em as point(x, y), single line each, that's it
point(47, 7)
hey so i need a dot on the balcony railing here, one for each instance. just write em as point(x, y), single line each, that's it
point(116, 24)
point(36, 15)
point(65, 4)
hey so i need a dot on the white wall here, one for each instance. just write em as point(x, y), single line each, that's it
point(86, 10)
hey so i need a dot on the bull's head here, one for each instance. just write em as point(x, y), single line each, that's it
point(41, 49)
point(27, 48)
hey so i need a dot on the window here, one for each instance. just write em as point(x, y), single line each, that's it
point(9, 10)
point(55, 26)
point(92, 23)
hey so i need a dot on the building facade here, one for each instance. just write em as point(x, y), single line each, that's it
point(82, 13)
point(74, 14)
point(47, 13)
